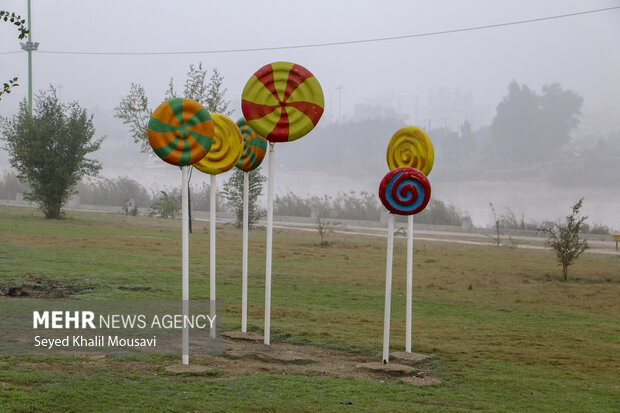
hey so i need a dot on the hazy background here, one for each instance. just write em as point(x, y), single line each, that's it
point(436, 82)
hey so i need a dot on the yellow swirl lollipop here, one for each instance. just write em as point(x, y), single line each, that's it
point(411, 146)
point(226, 149)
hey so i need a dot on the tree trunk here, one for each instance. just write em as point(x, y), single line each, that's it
point(565, 271)
point(189, 207)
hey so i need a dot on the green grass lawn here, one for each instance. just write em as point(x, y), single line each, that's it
point(508, 334)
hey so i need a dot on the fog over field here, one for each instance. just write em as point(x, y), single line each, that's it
point(450, 84)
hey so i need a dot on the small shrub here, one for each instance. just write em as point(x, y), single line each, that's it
point(168, 206)
point(564, 238)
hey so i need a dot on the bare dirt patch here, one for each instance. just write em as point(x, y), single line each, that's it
point(242, 357)
point(191, 368)
point(238, 335)
point(35, 286)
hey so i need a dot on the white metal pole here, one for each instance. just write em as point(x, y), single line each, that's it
point(185, 261)
point(388, 290)
point(409, 282)
point(244, 276)
point(269, 246)
point(212, 192)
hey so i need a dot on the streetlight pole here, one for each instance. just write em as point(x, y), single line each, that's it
point(29, 46)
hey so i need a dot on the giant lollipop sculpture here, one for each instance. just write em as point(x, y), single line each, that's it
point(282, 101)
point(254, 149)
point(223, 156)
point(180, 131)
point(403, 191)
point(410, 146)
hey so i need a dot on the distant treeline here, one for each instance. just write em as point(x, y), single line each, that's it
point(362, 206)
point(115, 192)
point(352, 205)
point(508, 220)
point(10, 186)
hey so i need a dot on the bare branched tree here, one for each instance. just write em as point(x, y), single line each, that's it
point(323, 226)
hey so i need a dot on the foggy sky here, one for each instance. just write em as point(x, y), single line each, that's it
point(582, 53)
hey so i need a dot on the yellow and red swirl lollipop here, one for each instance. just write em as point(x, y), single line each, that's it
point(226, 149)
point(282, 101)
point(180, 131)
point(411, 146)
point(254, 147)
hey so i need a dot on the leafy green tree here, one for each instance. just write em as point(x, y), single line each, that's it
point(134, 109)
point(530, 127)
point(233, 193)
point(564, 238)
point(49, 149)
point(167, 206)
point(23, 31)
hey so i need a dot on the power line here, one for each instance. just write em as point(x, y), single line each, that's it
point(381, 39)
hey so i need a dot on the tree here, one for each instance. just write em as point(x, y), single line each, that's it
point(497, 238)
point(467, 142)
point(168, 206)
point(23, 31)
point(114, 192)
point(323, 226)
point(559, 112)
point(529, 127)
point(564, 238)
point(49, 148)
point(10, 185)
point(134, 109)
point(449, 141)
point(233, 193)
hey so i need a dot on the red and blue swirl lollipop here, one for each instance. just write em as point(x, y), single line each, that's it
point(405, 191)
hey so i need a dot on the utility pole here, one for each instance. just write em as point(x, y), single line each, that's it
point(339, 89)
point(29, 46)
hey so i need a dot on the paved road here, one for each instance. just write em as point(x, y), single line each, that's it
point(465, 238)
point(599, 247)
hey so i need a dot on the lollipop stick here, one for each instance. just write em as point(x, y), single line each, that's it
point(212, 191)
point(269, 245)
point(409, 282)
point(388, 291)
point(185, 261)
point(244, 276)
